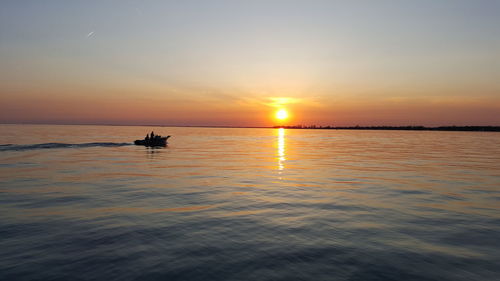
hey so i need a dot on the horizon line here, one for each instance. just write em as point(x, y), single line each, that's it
point(295, 127)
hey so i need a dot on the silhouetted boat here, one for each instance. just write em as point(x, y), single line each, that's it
point(155, 141)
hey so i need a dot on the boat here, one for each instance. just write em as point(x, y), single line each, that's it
point(152, 140)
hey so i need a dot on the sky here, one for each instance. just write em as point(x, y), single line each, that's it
point(235, 63)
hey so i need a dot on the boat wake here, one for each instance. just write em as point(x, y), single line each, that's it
point(54, 145)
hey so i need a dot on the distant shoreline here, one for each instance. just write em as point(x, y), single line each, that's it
point(311, 127)
point(401, 128)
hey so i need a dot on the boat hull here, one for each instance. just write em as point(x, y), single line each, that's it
point(155, 142)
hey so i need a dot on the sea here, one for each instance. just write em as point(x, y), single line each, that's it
point(84, 203)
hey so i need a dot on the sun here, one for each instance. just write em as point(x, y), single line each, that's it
point(281, 114)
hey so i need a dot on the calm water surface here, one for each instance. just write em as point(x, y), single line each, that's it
point(82, 203)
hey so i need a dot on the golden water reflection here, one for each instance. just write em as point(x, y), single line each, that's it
point(281, 148)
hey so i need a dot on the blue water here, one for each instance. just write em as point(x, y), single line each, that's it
point(83, 203)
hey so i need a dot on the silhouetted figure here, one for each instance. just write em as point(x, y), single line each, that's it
point(152, 135)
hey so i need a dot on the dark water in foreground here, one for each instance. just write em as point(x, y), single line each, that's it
point(81, 203)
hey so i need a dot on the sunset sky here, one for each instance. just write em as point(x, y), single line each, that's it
point(236, 63)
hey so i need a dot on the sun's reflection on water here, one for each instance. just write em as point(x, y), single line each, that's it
point(281, 149)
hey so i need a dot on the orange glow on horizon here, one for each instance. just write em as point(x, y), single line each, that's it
point(81, 109)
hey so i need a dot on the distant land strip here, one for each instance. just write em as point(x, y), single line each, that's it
point(403, 128)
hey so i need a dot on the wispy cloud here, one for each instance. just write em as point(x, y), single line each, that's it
point(281, 101)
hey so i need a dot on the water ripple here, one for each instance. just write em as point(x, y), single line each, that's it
point(249, 204)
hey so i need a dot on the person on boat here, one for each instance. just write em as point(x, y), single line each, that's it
point(152, 135)
point(147, 138)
